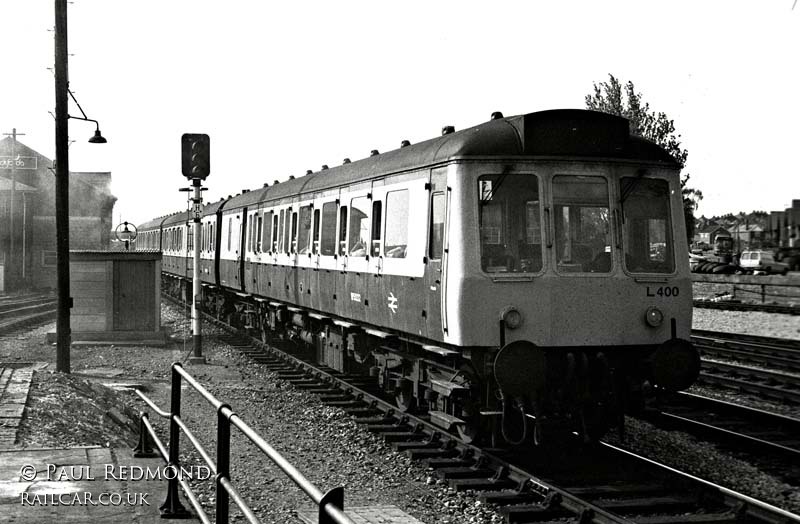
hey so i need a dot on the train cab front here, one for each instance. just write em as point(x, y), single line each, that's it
point(581, 284)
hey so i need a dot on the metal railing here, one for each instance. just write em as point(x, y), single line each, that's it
point(330, 504)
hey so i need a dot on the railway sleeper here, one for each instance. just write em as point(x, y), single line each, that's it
point(480, 484)
point(320, 390)
point(402, 436)
point(698, 518)
point(650, 505)
point(463, 472)
point(431, 453)
point(336, 397)
point(509, 497)
point(300, 383)
point(534, 513)
point(437, 463)
point(384, 426)
point(407, 446)
point(368, 415)
point(617, 490)
point(345, 403)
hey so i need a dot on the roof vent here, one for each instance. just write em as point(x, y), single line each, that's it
point(291, 177)
point(229, 197)
point(308, 171)
point(324, 166)
point(245, 191)
point(446, 130)
point(265, 185)
point(497, 115)
point(346, 161)
point(405, 143)
point(374, 152)
point(275, 182)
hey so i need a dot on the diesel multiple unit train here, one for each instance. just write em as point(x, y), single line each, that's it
point(524, 274)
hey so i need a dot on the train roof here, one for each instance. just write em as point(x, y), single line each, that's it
point(553, 133)
point(212, 207)
point(543, 134)
point(150, 224)
point(177, 218)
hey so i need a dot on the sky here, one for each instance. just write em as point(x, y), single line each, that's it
point(281, 87)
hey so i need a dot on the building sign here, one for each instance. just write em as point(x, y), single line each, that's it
point(17, 162)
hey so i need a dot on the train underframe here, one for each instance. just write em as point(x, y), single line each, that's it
point(515, 395)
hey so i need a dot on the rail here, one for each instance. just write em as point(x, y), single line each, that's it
point(330, 504)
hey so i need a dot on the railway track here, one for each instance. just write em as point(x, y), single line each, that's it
point(767, 367)
point(21, 310)
point(601, 484)
point(743, 306)
point(770, 440)
point(775, 353)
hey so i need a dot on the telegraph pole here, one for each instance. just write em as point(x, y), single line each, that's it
point(62, 191)
point(11, 251)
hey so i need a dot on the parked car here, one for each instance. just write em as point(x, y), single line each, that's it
point(762, 261)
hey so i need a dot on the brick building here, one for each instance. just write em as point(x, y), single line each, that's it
point(784, 226)
point(27, 215)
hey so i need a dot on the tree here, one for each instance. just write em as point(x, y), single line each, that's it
point(610, 97)
point(691, 199)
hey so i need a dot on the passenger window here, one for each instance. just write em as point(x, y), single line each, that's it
point(647, 230)
point(343, 230)
point(275, 230)
point(305, 229)
point(315, 228)
point(280, 231)
point(359, 227)
point(249, 243)
point(287, 225)
point(583, 236)
point(510, 223)
point(436, 240)
point(328, 229)
point(230, 232)
point(376, 227)
point(294, 232)
point(396, 237)
point(266, 244)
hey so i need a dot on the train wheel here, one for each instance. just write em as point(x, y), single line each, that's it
point(471, 430)
point(404, 397)
point(594, 422)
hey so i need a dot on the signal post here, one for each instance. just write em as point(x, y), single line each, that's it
point(196, 165)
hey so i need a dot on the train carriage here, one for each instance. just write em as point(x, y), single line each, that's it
point(519, 272)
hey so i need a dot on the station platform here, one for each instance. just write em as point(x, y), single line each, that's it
point(88, 484)
point(82, 484)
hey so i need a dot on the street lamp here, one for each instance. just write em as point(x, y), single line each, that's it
point(126, 235)
point(97, 138)
point(62, 184)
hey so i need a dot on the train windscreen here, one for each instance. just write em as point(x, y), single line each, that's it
point(510, 223)
point(647, 229)
point(581, 219)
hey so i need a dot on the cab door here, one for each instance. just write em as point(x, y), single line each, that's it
point(250, 254)
point(435, 270)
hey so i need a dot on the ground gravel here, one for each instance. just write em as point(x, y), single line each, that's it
point(702, 459)
point(322, 442)
point(759, 323)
